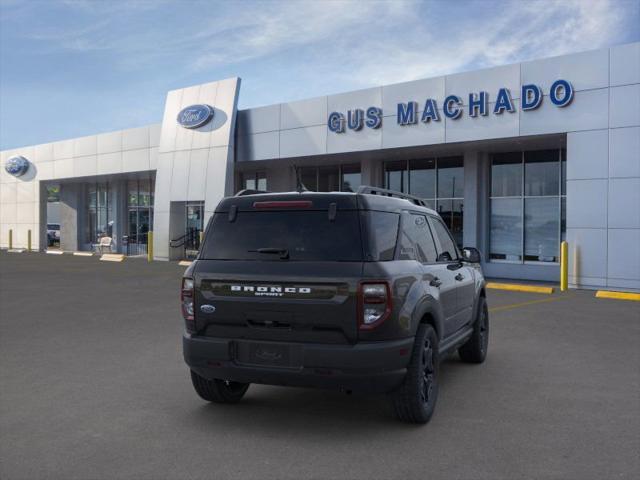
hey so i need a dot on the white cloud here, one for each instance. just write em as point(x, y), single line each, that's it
point(521, 32)
point(287, 26)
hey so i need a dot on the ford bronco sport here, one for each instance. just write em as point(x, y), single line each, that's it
point(361, 291)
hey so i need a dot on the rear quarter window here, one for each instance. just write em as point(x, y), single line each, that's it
point(381, 234)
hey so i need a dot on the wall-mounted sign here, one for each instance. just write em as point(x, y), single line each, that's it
point(560, 94)
point(195, 116)
point(16, 166)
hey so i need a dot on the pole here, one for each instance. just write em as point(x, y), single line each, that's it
point(564, 266)
point(10, 239)
point(150, 247)
point(29, 240)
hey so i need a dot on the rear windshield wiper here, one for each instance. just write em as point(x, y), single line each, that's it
point(283, 252)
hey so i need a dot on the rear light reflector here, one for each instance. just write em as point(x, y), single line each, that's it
point(374, 304)
point(284, 204)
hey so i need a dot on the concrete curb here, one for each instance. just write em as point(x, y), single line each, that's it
point(515, 287)
point(635, 297)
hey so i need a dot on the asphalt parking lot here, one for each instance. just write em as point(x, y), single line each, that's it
point(93, 386)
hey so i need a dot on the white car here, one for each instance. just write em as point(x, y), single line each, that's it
point(53, 233)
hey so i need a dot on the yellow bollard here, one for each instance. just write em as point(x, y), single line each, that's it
point(564, 266)
point(150, 247)
point(29, 240)
point(10, 239)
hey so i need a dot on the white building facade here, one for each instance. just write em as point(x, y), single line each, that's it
point(515, 159)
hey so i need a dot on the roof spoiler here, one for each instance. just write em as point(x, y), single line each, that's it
point(249, 191)
point(368, 190)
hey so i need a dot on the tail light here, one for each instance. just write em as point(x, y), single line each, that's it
point(186, 300)
point(374, 304)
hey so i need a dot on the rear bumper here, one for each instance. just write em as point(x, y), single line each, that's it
point(365, 367)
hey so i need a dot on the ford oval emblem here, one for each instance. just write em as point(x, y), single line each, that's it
point(195, 116)
point(17, 166)
point(207, 308)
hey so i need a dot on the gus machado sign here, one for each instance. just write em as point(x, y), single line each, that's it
point(560, 95)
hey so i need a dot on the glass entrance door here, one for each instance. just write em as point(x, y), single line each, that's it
point(140, 215)
point(193, 228)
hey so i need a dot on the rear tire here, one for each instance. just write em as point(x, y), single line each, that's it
point(475, 350)
point(415, 400)
point(218, 391)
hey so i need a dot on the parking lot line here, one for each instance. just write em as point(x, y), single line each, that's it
point(112, 257)
point(524, 304)
point(516, 287)
point(618, 295)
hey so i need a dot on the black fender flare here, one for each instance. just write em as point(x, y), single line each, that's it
point(428, 306)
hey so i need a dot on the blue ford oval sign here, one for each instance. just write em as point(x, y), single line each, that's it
point(195, 116)
point(17, 166)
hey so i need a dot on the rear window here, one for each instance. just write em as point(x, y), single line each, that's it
point(304, 235)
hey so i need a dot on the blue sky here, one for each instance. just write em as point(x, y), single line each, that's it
point(78, 67)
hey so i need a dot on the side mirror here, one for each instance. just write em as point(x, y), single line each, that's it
point(471, 255)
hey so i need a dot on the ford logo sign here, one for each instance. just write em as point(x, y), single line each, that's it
point(16, 166)
point(195, 116)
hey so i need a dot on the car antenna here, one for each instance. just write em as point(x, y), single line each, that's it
point(300, 188)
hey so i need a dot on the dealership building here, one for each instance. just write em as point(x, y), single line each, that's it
point(515, 159)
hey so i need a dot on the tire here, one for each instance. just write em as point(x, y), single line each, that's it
point(218, 391)
point(475, 349)
point(415, 400)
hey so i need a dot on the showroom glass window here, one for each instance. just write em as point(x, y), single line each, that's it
point(527, 205)
point(139, 214)
point(439, 181)
point(332, 178)
point(253, 181)
point(100, 212)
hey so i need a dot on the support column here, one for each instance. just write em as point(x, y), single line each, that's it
point(42, 218)
point(70, 210)
point(371, 172)
point(472, 200)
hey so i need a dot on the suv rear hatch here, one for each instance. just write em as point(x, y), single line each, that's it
point(281, 268)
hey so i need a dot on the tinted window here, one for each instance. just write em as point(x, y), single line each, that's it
point(451, 177)
point(447, 247)
point(423, 178)
point(452, 212)
point(506, 175)
point(541, 226)
point(305, 235)
point(382, 234)
point(417, 242)
point(351, 178)
point(506, 229)
point(541, 173)
point(395, 176)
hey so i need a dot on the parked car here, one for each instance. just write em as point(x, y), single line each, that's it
point(53, 233)
point(361, 291)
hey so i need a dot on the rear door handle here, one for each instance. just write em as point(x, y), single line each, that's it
point(435, 282)
point(459, 277)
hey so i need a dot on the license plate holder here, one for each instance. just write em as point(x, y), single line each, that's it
point(266, 354)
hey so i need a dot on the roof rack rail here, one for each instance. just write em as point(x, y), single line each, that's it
point(366, 189)
point(249, 191)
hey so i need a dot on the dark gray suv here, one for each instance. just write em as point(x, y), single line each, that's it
point(361, 291)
